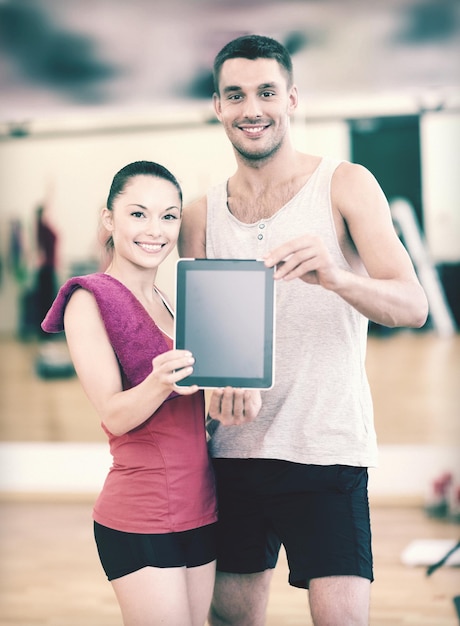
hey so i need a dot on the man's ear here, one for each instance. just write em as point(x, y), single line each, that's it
point(293, 99)
point(217, 107)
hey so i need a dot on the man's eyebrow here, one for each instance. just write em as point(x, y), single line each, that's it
point(234, 88)
point(271, 85)
point(231, 88)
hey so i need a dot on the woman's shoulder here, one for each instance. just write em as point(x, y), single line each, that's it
point(94, 283)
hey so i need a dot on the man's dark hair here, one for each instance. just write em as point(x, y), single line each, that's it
point(253, 47)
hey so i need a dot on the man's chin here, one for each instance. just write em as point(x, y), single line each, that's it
point(254, 156)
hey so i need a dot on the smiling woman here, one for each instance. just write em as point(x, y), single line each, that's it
point(155, 516)
point(121, 184)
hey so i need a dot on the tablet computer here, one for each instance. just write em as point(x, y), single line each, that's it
point(225, 316)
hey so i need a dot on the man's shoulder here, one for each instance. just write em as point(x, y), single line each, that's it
point(195, 206)
point(349, 175)
point(192, 237)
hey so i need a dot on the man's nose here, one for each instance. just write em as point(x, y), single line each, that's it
point(252, 107)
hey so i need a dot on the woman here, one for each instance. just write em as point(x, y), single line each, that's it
point(154, 519)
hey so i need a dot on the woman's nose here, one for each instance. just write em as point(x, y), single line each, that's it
point(153, 227)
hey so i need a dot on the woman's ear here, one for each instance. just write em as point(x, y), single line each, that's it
point(107, 219)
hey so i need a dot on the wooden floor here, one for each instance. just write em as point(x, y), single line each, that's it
point(414, 379)
point(49, 570)
point(50, 573)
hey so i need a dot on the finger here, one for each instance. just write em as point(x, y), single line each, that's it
point(164, 357)
point(278, 255)
point(175, 364)
point(215, 403)
point(186, 391)
point(296, 271)
point(180, 373)
point(238, 406)
point(252, 404)
point(295, 260)
point(283, 253)
point(226, 405)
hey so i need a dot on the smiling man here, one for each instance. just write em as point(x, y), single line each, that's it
point(296, 473)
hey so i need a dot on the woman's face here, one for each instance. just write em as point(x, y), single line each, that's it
point(144, 221)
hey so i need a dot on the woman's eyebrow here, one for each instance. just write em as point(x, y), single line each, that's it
point(141, 206)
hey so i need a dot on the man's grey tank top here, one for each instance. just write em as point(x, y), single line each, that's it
point(320, 408)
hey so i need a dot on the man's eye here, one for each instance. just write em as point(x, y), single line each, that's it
point(267, 94)
point(235, 96)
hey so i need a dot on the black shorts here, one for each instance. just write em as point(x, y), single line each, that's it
point(123, 553)
point(319, 513)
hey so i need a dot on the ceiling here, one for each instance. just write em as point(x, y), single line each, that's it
point(58, 56)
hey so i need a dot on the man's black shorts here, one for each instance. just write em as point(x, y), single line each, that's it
point(319, 513)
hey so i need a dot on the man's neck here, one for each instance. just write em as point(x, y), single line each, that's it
point(255, 194)
point(258, 174)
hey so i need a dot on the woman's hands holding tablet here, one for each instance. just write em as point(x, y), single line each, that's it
point(232, 406)
point(172, 366)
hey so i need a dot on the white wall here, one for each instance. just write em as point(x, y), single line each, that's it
point(81, 169)
point(80, 468)
point(440, 156)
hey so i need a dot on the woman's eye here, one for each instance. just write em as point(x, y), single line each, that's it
point(170, 216)
point(137, 214)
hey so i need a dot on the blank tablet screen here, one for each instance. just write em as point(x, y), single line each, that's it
point(225, 317)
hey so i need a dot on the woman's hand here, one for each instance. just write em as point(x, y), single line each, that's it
point(171, 367)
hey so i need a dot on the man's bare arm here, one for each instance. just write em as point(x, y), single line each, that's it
point(192, 237)
point(390, 293)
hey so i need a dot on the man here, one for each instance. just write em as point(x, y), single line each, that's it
point(296, 473)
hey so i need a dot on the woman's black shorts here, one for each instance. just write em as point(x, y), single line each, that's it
point(319, 513)
point(123, 553)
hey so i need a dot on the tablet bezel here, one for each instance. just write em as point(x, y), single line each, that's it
point(210, 381)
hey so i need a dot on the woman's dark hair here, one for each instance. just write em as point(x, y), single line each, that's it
point(253, 47)
point(138, 168)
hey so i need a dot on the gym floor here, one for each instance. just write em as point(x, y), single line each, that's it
point(50, 574)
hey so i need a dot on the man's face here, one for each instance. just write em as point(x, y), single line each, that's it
point(254, 106)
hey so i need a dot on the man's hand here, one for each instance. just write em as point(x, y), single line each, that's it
point(234, 406)
point(307, 258)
